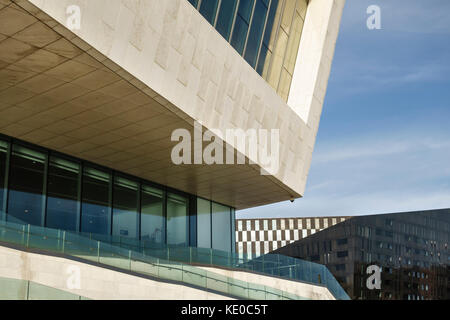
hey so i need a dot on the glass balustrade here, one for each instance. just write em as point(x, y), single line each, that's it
point(174, 263)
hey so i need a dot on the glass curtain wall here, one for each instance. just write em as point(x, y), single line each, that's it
point(26, 203)
point(203, 223)
point(3, 170)
point(126, 208)
point(96, 208)
point(177, 220)
point(221, 221)
point(266, 33)
point(45, 188)
point(241, 25)
point(225, 18)
point(215, 225)
point(153, 227)
point(208, 8)
point(63, 194)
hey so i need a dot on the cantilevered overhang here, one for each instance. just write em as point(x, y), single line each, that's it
point(113, 92)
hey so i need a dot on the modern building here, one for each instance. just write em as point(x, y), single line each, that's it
point(411, 249)
point(92, 92)
point(255, 237)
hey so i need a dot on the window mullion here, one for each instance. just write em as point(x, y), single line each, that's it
point(249, 26)
point(234, 20)
point(217, 12)
point(263, 33)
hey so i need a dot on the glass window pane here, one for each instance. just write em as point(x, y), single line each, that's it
point(177, 220)
point(194, 3)
point(152, 215)
point(233, 230)
point(256, 31)
point(281, 44)
point(63, 203)
point(285, 84)
point(288, 14)
point(241, 25)
point(302, 5)
point(203, 223)
point(264, 61)
point(225, 18)
point(294, 43)
point(125, 212)
point(96, 211)
point(26, 200)
point(3, 155)
point(221, 227)
point(269, 37)
point(277, 60)
point(208, 9)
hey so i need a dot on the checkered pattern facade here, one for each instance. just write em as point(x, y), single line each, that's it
point(255, 237)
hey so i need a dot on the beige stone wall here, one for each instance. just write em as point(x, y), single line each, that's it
point(96, 283)
point(168, 46)
point(304, 290)
point(100, 283)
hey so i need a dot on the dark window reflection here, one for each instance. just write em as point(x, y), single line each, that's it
point(26, 201)
point(152, 215)
point(225, 18)
point(63, 193)
point(63, 203)
point(241, 25)
point(96, 212)
point(257, 28)
point(203, 223)
point(266, 51)
point(221, 220)
point(194, 3)
point(3, 154)
point(125, 216)
point(208, 9)
point(177, 220)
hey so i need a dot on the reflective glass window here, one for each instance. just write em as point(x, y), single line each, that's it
point(63, 198)
point(256, 31)
point(152, 215)
point(242, 24)
point(291, 52)
point(203, 223)
point(125, 208)
point(225, 18)
point(96, 211)
point(26, 186)
point(177, 220)
point(221, 227)
point(194, 3)
point(208, 9)
point(269, 38)
point(266, 32)
point(3, 157)
point(277, 59)
point(233, 230)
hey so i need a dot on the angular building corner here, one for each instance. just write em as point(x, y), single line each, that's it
point(92, 91)
point(165, 57)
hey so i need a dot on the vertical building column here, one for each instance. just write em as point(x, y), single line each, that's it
point(192, 221)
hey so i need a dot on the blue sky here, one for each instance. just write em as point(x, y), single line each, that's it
point(384, 138)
